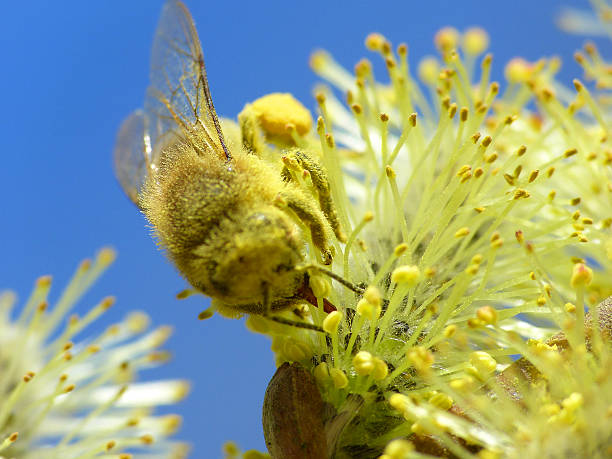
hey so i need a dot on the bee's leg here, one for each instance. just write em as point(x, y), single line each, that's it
point(348, 284)
point(267, 313)
point(321, 184)
point(252, 137)
point(311, 217)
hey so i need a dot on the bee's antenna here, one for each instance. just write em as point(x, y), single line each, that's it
point(348, 284)
point(281, 320)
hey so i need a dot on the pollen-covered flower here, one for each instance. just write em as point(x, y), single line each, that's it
point(66, 395)
point(477, 217)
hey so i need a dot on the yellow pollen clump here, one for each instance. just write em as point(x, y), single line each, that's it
point(275, 111)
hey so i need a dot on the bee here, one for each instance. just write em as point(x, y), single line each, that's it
point(226, 218)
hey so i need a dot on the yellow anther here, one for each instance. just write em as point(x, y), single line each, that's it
point(446, 39)
point(373, 295)
point(421, 358)
point(462, 384)
point(518, 70)
point(400, 250)
point(375, 42)
point(491, 158)
point(331, 322)
point(488, 314)
point(541, 301)
point(475, 41)
point(428, 70)
point(398, 449)
point(321, 372)
point(407, 274)
point(450, 330)
point(363, 68)
point(398, 401)
point(319, 60)
point(106, 256)
point(367, 309)
point(442, 401)
point(570, 152)
point(582, 275)
point(381, 370)
point(363, 363)
point(462, 232)
point(339, 378)
point(320, 286)
point(521, 194)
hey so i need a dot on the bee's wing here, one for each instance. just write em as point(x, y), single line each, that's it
point(132, 155)
point(178, 100)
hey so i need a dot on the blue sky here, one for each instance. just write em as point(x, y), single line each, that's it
point(73, 70)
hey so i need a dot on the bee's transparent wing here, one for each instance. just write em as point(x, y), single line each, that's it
point(178, 100)
point(132, 154)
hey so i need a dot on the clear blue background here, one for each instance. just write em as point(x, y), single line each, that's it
point(72, 70)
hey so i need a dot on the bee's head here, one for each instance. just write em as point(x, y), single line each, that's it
point(262, 254)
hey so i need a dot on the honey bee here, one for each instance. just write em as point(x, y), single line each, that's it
point(226, 218)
